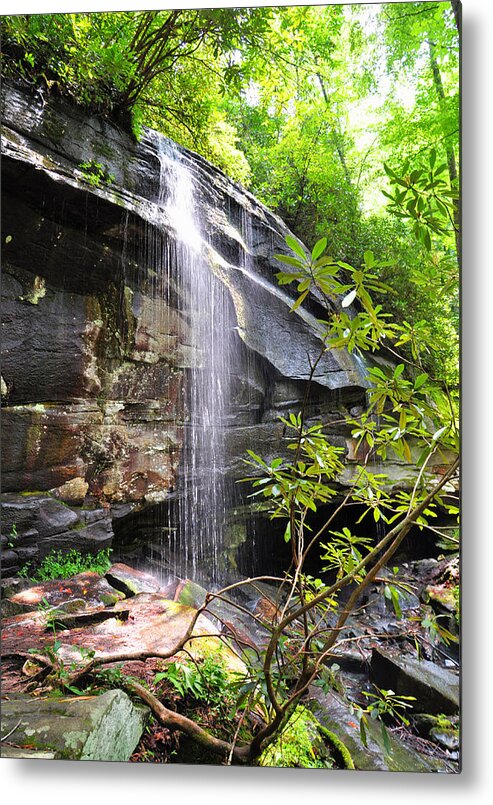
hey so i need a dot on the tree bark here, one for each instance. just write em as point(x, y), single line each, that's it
point(241, 755)
point(457, 9)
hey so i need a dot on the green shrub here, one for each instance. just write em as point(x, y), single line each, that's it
point(204, 680)
point(65, 564)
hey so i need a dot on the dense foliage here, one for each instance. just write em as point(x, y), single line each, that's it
point(321, 110)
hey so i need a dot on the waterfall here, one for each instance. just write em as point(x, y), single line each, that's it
point(205, 305)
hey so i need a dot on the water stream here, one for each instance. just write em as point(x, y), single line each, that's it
point(205, 306)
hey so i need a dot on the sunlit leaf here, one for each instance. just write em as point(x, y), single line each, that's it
point(351, 296)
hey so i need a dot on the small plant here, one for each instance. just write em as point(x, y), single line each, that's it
point(385, 705)
point(388, 703)
point(203, 680)
point(432, 625)
point(114, 677)
point(95, 173)
point(443, 722)
point(329, 679)
point(61, 672)
point(12, 538)
point(63, 565)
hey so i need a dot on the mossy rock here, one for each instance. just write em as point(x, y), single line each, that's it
point(305, 743)
point(106, 727)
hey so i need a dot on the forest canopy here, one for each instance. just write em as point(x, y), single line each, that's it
point(343, 118)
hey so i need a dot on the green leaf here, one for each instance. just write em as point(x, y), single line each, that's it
point(349, 298)
point(300, 300)
point(402, 419)
point(441, 169)
point(396, 602)
point(289, 260)
point(369, 258)
point(362, 731)
point(386, 741)
point(439, 433)
point(342, 264)
point(296, 247)
point(420, 380)
point(319, 248)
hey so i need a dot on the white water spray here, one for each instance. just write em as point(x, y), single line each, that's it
point(205, 303)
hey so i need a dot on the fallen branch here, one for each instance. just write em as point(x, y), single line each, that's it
point(175, 721)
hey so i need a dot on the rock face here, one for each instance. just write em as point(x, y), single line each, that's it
point(106, 727)
point(94, 352)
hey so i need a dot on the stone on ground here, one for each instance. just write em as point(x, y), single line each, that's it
point(106, 727)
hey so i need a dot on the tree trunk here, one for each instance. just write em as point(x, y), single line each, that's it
point(457, 9)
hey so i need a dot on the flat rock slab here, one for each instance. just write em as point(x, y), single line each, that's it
point(437, 690)
point(147, 623)
point(89, 589)
point(106, 727)
point(336, 716)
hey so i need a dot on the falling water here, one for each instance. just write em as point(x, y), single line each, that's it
point(205, 304)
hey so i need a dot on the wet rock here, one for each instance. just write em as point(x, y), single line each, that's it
point(436, 689)
point(334, 714)
point(147, 623)
point(443, 730)
point(39, 515)
point(11, 586)
point(87, 587)
point(448, 738)
point(106, 727)
point(9, 559)
point(190, 593)
point(130, 581)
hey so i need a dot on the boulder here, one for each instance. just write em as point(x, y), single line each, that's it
point(335, 715)
point(106, 727)
point(436, 689)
